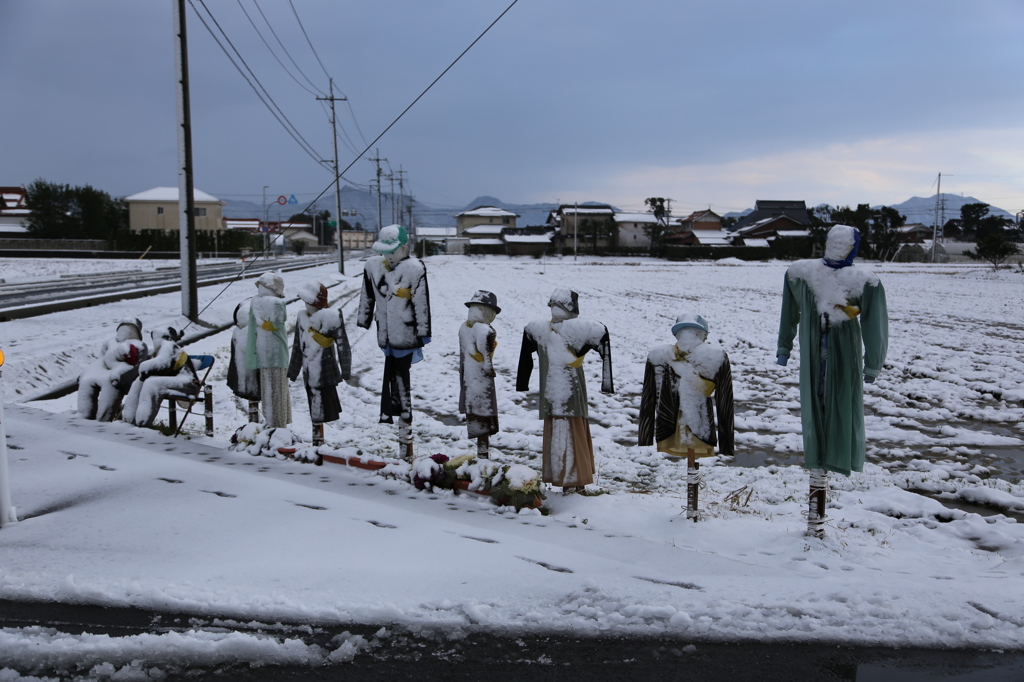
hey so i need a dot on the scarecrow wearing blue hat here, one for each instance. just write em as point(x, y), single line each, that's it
point(843, 320)
point(395, 295)
point(676, 407)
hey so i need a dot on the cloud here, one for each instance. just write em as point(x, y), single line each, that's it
point(981, 163)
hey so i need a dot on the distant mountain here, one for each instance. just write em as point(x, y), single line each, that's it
point(922, 209)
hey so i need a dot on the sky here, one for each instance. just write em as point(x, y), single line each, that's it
point(709, 103)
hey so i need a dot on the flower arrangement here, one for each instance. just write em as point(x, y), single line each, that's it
point(518, 486)
point(507, 484)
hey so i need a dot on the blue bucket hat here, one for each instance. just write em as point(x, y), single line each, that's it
point(690, 320)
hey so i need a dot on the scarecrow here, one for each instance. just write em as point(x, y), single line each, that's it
point(267, 348)
point(322, 352)
point(477, 397)
point(561, 342)
point(243, 382)
point(844, 334)
point(104, 383)
point(169, 371)
point(676, 409)
point(395, 294)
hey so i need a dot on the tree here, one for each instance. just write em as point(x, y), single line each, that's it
point(66, 212)
point(993, 242)
point(885, 233)
point(656, 231)
point(971, 217)
point(860, 218)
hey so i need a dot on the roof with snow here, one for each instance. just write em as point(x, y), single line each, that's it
point(488, 211)
point(483, 229)
point(635, 218)
point(761, 243)
point(712, 237)
point(486, 242)
point(171, 194)
point(528, 238)
point(436, 232)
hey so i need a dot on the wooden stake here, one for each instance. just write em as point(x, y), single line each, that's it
point(318, 435)
point(816, 503)
point(692, 485)
point(254, 411)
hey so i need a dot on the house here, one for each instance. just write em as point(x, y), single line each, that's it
point(157, 209)
point(242, 224)
point(591, 226)
point(771, 227)
point(633, 229)
point(915, 233)
point(447, 237)
point(527, 242)
point(484, 215)
point(13, 212)
point(794, 210)
point(700, 228)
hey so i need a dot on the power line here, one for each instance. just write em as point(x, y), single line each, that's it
point(292, 5)
point(275, 110)
point(287, 53)
point(274, 54)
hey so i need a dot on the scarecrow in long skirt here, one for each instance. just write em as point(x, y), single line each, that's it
point(395, 295)
point(243, 382)
point(843, 322)
point(561, 343)
point(105, 382)
point(477, 398)
point(676, 409)
point(170, 370)
point(322, 352)
point(267, 348)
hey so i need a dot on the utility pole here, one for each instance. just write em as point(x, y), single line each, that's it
point(337, 175)
point(391, 177)
point(935, 227)
point(401, 193)
point(377, 161)
point(186, 200)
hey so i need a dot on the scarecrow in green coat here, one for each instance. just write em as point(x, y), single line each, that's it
point(844, 334)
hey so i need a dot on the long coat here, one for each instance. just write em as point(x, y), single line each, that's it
point(677, 393)
point(561, 347)
point(847, 307)
point(476, 370)
point(322, 353)
point(267, 340)
point(398, 299)
point(243, 382)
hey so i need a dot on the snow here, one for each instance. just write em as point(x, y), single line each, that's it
point(118, 515)
point(166, 194)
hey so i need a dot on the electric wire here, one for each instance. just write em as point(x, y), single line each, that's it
point(310, 42)
point(279, 42)
point(275, 110)
point(375, 140)
point(274, 54)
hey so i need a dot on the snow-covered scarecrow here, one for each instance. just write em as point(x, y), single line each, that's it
point(477, 397)
point(561, 342)
point(676, 408)
point(243, 382)
point(395, 294)
point(267, 348)
point(104, 383)
point(322, 353)
point(841, 313)
point(169, 371)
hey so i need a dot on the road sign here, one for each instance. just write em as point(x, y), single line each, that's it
point(292, 200)
point(282, 200)
point(330, 223)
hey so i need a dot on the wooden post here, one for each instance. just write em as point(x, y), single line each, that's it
point(254, 410)
point(172, 415)
point(816, 503)
point(692, 485)
point(405, 439)
point(483, 447)
point(208, 413)
point(318, 435)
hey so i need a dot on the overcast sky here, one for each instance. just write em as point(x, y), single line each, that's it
point(709, 102)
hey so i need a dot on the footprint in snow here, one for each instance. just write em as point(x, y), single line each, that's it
point(382, 525)
point(104, 467)
point(487, 540)
point(12, 446)
point(685, 586)
point(72, 455)
point(310, 506)
point(556, 569)
point(169, 480)
point(218, 493)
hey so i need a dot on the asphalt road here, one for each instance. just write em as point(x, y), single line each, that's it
point(503, 656)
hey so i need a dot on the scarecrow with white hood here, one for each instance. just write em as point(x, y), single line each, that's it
point(676, 407)
point(267, 348)
point(395, 295)
point(843, 322)
point(322, 353)
point(477, 398)
point(561, 343)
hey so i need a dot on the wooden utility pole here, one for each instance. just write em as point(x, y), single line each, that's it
point(337, 176)
point(186, 198)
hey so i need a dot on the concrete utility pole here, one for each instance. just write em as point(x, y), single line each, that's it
point(935, 228)
point(186, 198)
point(401, 193)
point(6, 510)
point(380, 209)
point(337, 176)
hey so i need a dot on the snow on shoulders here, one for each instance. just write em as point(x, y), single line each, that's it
point(661, 355)
point(832, 287)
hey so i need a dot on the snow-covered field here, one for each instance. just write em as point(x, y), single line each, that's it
point(119, 515)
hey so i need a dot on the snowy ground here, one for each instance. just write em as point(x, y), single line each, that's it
point(123, 516)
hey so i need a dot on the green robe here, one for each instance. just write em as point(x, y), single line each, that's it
point(833, 424)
